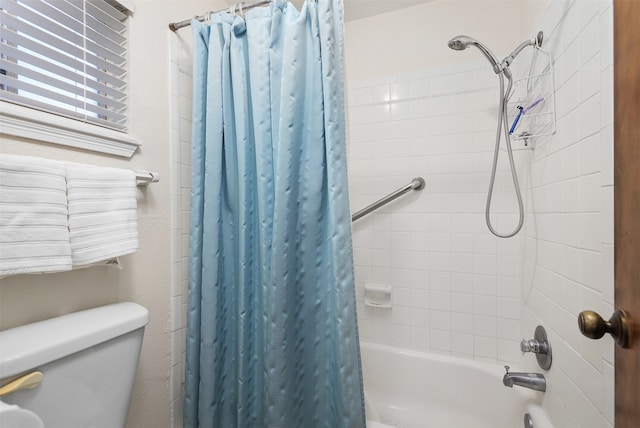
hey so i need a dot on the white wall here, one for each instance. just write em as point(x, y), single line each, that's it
point(569, 235)
point(147, 274)
point(181, 102)
point(456, 287)
point(457, 290)
point(415, 38)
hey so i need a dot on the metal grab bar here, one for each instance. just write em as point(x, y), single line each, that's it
point(416, 184)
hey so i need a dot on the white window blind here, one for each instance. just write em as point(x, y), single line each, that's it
point(67, 57)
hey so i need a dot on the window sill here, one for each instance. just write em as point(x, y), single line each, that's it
point(19, 121)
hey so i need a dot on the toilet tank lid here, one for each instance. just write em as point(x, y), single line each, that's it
point(32, 345)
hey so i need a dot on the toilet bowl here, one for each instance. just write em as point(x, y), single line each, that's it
point(12, 416)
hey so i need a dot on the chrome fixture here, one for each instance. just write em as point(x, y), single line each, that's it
point(416, 184)
point(502, 70)
point(537, 42)
point(240, 7)
point(528, 421)
point(535, 381)
point(540, 346)
point(460, 43)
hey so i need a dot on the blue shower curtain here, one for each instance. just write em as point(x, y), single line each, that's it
point(271, 326)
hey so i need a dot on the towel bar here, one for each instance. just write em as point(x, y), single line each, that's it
point(143, 178)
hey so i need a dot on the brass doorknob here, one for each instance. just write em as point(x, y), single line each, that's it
point(593, 326)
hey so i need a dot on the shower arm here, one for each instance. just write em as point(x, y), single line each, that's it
point(504, 65)
point(536, 42)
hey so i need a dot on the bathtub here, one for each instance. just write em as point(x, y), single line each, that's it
point(411, 389)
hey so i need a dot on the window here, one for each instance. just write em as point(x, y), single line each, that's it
point(67, 57)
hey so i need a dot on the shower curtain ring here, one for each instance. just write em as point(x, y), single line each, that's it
point(241, 11)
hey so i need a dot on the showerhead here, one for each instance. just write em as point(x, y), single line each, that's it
point(460, 43)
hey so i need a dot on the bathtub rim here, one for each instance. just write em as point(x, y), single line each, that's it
point(529, 397)
point(482, 365)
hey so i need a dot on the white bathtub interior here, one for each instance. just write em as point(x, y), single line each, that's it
point(412, 389)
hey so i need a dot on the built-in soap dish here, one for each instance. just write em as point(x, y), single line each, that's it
point(377, 295)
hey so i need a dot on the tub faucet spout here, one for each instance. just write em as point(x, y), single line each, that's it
point(535, 381)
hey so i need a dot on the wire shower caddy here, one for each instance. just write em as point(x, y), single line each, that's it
point(531, 109)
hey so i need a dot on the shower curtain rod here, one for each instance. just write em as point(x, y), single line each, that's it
point(175, 26)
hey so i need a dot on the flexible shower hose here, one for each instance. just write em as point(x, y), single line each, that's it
point(503, 125)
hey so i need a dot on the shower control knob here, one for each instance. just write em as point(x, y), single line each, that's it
point(540, 346)
point(593, 326)
point(534, 346)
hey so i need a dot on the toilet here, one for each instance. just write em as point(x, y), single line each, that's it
point(88, 361)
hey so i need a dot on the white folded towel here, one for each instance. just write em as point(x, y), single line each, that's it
point(102, 213)
point(34, 236)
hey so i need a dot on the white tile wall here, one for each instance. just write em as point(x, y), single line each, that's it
point(458, 290)
point(456, 287)
point(569, 235)
point(181, 105)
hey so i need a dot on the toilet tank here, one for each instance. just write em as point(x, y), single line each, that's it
point(89, 360)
